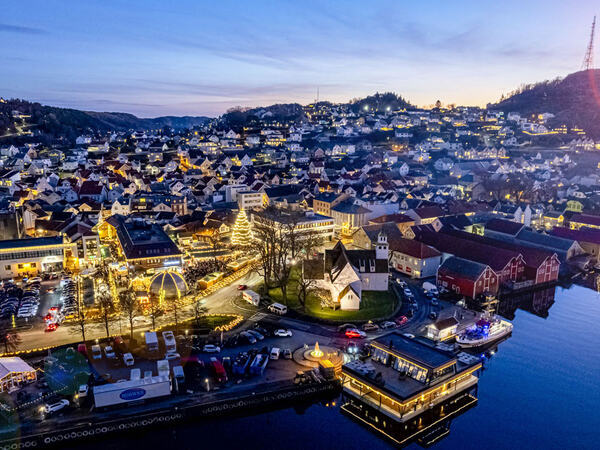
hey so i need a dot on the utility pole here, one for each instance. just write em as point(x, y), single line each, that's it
point(588, 60)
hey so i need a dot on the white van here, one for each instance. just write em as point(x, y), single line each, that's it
point(151, 341)
point(179, 375)
point(275, 351)
point(170, 344)
point(128, 359)
point(278, 308)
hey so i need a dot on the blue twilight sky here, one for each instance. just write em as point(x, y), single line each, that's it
point(198, 57)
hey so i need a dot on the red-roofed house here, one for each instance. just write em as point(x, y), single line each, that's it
point(90, 190)
point(413, 257)
point(425, 214)
point(578, 221)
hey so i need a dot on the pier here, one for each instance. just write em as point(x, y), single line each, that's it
point(275, 395)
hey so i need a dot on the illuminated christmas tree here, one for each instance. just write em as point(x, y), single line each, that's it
point(241, 235)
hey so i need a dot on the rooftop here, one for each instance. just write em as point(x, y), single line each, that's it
point(413, 350)
point(33, 242)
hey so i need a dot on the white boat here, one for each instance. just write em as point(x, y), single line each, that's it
point(484, 332)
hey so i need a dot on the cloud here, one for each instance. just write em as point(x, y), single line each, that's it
point(4, 27)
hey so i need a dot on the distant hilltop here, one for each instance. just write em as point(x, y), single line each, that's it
point(574, 101)
point(67, 123)
point(376, 103)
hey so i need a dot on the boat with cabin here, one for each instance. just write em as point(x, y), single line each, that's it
point(485, 331)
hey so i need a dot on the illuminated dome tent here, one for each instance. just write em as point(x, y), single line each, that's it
point(167, 285)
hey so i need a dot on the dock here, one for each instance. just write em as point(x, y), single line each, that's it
point(180, 408)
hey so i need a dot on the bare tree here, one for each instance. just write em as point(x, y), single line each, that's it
point(129, 307)
point(80, 313)
point(199, 310)
point(265, 245)
point(173, 305)
point(106, 306)
point(9, 339)
point(281, 243)
point(304, 288)
point(154, 308)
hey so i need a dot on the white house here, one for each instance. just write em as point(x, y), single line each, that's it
point(347, 273)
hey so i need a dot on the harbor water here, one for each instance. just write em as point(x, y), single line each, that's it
point(540, 389)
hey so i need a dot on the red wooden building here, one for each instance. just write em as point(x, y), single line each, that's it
point(468, 278)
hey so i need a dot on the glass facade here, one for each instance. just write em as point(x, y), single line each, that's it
point(400, 364)
point(8, 256)
point(411, 370)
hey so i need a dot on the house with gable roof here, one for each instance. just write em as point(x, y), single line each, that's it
point(347, 273)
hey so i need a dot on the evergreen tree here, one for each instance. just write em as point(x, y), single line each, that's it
point(241, 234)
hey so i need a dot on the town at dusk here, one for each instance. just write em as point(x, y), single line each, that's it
point(292, 225)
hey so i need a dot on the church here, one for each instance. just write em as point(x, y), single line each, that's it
point(347, 273)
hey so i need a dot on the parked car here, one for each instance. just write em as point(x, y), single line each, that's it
point(387, 325)
point(109, 352)
point(248, 337)
point(355, 333)
point(256, 334)
point(242, 287)
point(283, 333)
point(172, 355)
point(274, 354)
point(83, 390)
point(51, 327)
point(401, 320)
point(54, 407)
point(408, 335)
point(370, 326)
point(96, 352)
point(401, 283)
point(128, 359)
point(211, 348)
point(287, 353)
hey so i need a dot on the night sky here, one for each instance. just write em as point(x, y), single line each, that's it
point(156, 58)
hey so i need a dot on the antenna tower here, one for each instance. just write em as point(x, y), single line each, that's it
point(588, 60)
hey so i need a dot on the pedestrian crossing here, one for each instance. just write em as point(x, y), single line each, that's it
point(257, 317)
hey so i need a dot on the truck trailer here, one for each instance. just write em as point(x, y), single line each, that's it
point(131, 391)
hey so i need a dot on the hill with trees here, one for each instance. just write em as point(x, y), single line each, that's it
point(52, 123)
point(387, 101)
point(574, 100)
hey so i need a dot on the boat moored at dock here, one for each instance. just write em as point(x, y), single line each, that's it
point(486, 331)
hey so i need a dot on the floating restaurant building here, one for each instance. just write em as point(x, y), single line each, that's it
point(405, 377)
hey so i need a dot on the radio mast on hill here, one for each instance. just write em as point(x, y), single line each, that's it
point(588, 60)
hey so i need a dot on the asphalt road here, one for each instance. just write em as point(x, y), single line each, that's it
point(221, 301)
point(226, 300)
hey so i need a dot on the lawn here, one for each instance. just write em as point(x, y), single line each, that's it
point(374, 304)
